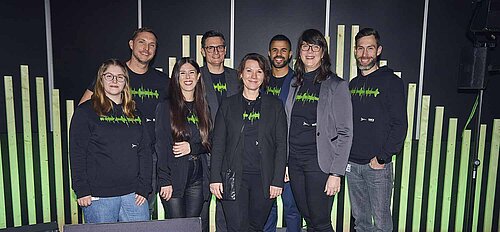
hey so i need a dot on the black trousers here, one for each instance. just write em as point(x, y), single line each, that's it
point(308, 185)
point(191, 203)
point(251, 208)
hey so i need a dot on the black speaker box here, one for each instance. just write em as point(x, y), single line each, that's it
point(473, 68)
point(169, 225)
point(44, 227)
point(487, 18)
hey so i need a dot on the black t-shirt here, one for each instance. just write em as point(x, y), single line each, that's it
point(192, 124)
point(220, 85)
point(303, 120)
point(251, 154)
point(147, 90)
point(274, 86)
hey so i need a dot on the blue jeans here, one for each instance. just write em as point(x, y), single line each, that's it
point(292, 215)
point(115, 209)
point(370, 191)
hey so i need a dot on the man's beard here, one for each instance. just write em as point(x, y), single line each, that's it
point(370, 65)
point(285, 62)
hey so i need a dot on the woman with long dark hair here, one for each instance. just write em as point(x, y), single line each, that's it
point(109, 152)
point(319, 116)
point(183, 143)
point(249, 149)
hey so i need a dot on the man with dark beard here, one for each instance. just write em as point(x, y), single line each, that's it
point(380, 124)
point(280, 55)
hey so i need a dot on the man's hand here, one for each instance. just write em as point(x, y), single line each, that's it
point(139, 200)
point(375, 165)
point(85, 201)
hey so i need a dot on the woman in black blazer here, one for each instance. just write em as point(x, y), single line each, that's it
point(250, 140)
point(182, 143)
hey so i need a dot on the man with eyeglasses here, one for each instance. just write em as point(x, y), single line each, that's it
point(220, 82)
point(147, 85)
point(280, 55)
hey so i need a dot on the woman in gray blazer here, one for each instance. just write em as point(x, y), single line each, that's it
point(319, 114)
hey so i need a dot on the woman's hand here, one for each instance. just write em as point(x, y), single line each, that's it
point(166, 192)
point(216, 189)
point(139, 200)
point(274, 191)
point(181, 149)
point(85, 201)
point(332, 186)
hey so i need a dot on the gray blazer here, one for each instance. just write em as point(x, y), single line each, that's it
point(333, 124)
point(233, 87)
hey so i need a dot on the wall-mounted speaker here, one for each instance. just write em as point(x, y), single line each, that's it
point(473, 68)
point(177, 225)
point(487, 17)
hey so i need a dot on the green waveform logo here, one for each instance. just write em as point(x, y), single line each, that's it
point(220, 87)
point(121, 119)
point(273, 90)
point(362, 92)
point(193, 119)
point(252, 116)
point(145, 93)
point(306, 97)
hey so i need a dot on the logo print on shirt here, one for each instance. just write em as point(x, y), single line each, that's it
point(273, 90)
point(306, 97)
point(121, 119)
point(362, 92)
point(252, 116)
point(193, 119)
point(144, 93)
point(220, 87)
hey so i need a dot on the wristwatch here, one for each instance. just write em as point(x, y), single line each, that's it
point(380, 161)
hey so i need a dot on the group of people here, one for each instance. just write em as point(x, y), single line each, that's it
point(245, 136)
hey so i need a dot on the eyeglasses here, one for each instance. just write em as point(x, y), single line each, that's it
point(306, 47)
point(219, 48)
point(110, 77)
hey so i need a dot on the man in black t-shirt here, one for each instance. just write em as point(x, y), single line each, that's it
point(147, 85)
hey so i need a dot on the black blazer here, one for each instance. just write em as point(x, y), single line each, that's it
point(233, 87)
point(174, 171)
point(228, 139)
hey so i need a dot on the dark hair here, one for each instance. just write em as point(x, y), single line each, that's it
point(179, 110)
point(313, 36)
point(280, 38)
point(211, 33)
point(100, 103)
point(367, 32)
point(144, 29)
point(263, 64)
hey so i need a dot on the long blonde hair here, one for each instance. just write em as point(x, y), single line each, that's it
point(100, 103)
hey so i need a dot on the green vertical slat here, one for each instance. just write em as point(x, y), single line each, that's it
point(448, 177)
point(462, 181)
point(160, 210)
point(434, 175)
point(492, 176)
point(480, 156)
point(279, 209)
point(12, 145)
point(58, 164)
point(70, 108)
point(334, 214)
point(406, 157)
point(42, 144)
point(422, 148)
point(3, 213)
point(28, 145)
point(347, 209)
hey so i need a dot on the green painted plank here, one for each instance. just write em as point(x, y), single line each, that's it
point(448, 179)
point(406, 157)
point(28, 145)
point(421, 154)
point(480, 156)
point(347, 209)
point(58, 163)
point(43, 149)
point(334, 213)
point(160, 210)
point(70, 108)
point(212, 214)
point(434, 175)
point(3, 213)
point(462, 181)
point(279, 209)
point(12, 145)
point(492, 176)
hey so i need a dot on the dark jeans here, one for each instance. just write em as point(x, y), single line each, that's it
point(291, 214)
point(308, 185)
point(191, 203)
point(250, 209)
point(370, 191)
